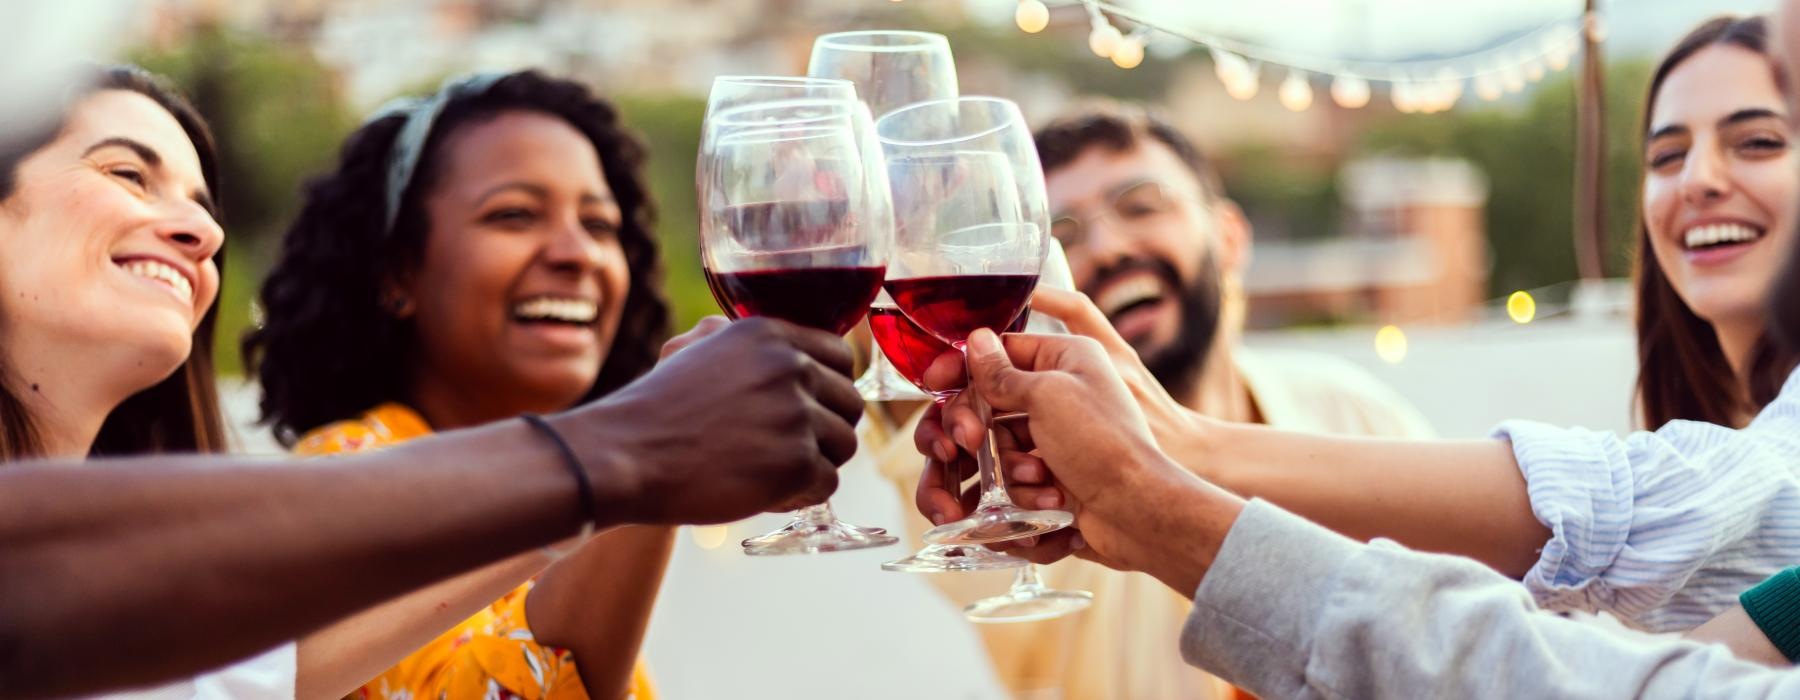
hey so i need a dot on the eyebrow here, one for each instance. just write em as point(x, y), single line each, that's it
point(154, 160)
point(1742, 115)
point(540, 191)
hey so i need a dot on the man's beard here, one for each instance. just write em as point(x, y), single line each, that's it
point(1177, 364)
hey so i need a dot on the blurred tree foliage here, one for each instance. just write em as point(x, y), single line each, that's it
point(279, 118)
point(671, 125)
point(1528, 153)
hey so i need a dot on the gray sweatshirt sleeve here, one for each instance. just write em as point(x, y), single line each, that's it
point(1291, 610)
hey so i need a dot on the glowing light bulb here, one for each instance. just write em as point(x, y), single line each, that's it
point(1512, 79)
point(1488, 87)
point(1520, 307)
point(1129, 53)
point(1104, 39)
point(1534, 70)
point(1405, 97)
point(1390, 344)
point(1350, 92)
point(1295, 94)
point(1032, 16)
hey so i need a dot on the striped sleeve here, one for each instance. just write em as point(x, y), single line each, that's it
point(1663, 529)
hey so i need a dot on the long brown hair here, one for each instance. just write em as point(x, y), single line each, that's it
point(180, 413)
point(1682, 372)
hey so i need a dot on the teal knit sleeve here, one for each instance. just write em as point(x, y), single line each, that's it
point(1774, 605)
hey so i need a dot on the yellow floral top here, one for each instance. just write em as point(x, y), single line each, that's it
point(491, 655)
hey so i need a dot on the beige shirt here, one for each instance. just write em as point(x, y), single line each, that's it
point(1123, 647)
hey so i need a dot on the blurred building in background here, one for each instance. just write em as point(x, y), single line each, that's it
point(1413, 250)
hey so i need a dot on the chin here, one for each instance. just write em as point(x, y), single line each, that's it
point(557, 388)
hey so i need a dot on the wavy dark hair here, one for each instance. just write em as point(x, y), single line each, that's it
point(180, 413)
point(1682, 372)
point(327, 349)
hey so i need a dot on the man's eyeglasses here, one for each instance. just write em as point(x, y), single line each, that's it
point(1133, 204)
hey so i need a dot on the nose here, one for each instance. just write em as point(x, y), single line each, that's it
point(1104, 246)
point(193, 231)
point(573, 249)
point(1703, 179)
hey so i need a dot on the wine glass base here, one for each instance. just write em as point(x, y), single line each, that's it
point(999, 523)
point(802, 536)
point(939, 558)
point(1030, 605)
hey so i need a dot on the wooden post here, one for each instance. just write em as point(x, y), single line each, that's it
point(1590, 154)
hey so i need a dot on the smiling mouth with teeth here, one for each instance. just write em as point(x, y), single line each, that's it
point(1719, 235)
point(577, 312)
point(161, 273)
point(1134, 293)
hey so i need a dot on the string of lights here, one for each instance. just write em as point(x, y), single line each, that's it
point(1423, 86)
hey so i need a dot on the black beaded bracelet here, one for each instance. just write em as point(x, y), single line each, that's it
point(589, 510)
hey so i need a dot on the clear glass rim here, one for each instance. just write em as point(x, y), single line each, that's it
point(734, 116)
point(1010, 106)
point(782, 133)
point(782, 81)
point(915, 41)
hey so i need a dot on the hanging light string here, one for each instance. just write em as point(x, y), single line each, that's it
point(1423, 85)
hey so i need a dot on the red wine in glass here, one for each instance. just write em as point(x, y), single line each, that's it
point(831, 299)
point(952, 307)
point(909, 348)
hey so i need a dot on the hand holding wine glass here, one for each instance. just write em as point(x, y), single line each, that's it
point(796, 226)
point(971, 235)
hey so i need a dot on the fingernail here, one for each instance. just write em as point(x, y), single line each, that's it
point(1077, 542)
point(962, 436)
point(946, 451)
point(984, 342)
point(1049, 500)
point(938, 519)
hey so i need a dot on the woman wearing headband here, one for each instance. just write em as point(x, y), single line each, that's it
point(478, 255)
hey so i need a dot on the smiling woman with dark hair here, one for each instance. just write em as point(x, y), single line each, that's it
point(477, 255)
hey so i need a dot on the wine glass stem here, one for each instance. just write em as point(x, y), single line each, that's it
point(993, 486)
point(1027, 579)
point(817, 514)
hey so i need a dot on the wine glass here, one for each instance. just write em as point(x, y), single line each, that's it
point(796, 224)
point(1029, 599)
point(912, 350)
point(971, 234)
point(890, 69)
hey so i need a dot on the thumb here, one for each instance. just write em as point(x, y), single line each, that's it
point(992, 373)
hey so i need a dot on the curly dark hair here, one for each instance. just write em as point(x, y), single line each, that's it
point(328, 350)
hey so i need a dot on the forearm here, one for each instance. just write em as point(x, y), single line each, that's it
point(1734, 629)
point(166, 566)
point(1458, 497)
point(338, 659)
point(597, 602)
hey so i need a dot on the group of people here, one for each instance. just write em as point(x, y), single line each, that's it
point(466, 316)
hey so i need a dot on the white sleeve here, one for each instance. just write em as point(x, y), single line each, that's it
point(1661, 528)
point(269, 676)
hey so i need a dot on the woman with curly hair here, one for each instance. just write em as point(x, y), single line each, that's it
point(475, 256)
